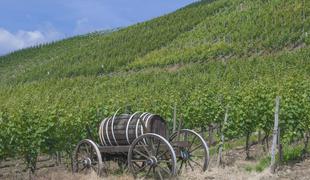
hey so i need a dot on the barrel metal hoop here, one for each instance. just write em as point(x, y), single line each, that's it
point(127, 126)
point(101, 132)
point(141, 126)
point(145, 119)
point(137, 124)
point(106, 130)
point(101, 136)
point(112, 127)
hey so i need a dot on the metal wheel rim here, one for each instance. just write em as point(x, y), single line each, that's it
point(153, 161)
point(203, 145)
point(93, 154)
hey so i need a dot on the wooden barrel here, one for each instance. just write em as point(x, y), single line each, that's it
point(123, 129)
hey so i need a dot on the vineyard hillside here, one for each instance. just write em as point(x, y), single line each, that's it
point(206, 58)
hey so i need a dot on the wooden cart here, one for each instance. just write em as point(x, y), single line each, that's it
point(139, 143)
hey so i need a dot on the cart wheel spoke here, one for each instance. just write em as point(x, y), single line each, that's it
point(192, 143)
point(196, 163)
point(165, 170)
point(190, 165)
point(193, 147)
point(157, 148)
point(142, 154)
point(92, 157)
point(164, 161)
point(146, 149)
point(86, 148)
point(198, 156)
point(148, 171)
point(181, 166)
point(159, 174)
point(153, 151)
point(94, 167)
point(142, 168)
point(185, 136)
point(162, 154)
point(86, 157)
point(138, 168)
point(79, 162)
point(138, 160)
point(134, 165)
point(158, 157)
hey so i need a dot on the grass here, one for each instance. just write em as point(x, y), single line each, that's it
point(260, 166)
point(239, 142)
point(292, 154)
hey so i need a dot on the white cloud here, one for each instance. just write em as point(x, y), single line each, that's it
point(82, 26)
point(21, 39)
point(29, 37)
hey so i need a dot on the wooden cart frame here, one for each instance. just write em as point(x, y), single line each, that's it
point(149, 155)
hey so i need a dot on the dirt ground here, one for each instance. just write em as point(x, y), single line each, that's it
point(299, 171)
point(233, 169)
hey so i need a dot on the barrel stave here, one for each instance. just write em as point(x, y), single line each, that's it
point(125, 128)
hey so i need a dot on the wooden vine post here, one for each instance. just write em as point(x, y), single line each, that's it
point(276, 136)
point(220, 159)
point(174, 117)
point(175, 122)
point(210, 134)
point(280, 145)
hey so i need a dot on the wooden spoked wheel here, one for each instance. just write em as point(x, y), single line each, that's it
point(87, 158)
point(151, 156)
point(193, 154)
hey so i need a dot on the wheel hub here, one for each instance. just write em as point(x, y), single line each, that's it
point(185, 155)
point(87, 162)
point(152, 161)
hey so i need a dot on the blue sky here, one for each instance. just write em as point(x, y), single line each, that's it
point(25, 23)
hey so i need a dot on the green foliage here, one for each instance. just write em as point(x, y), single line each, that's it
point(248, 168)
point(205, 57)
point(262, 164)
point(235, 29)
point(292, 154)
